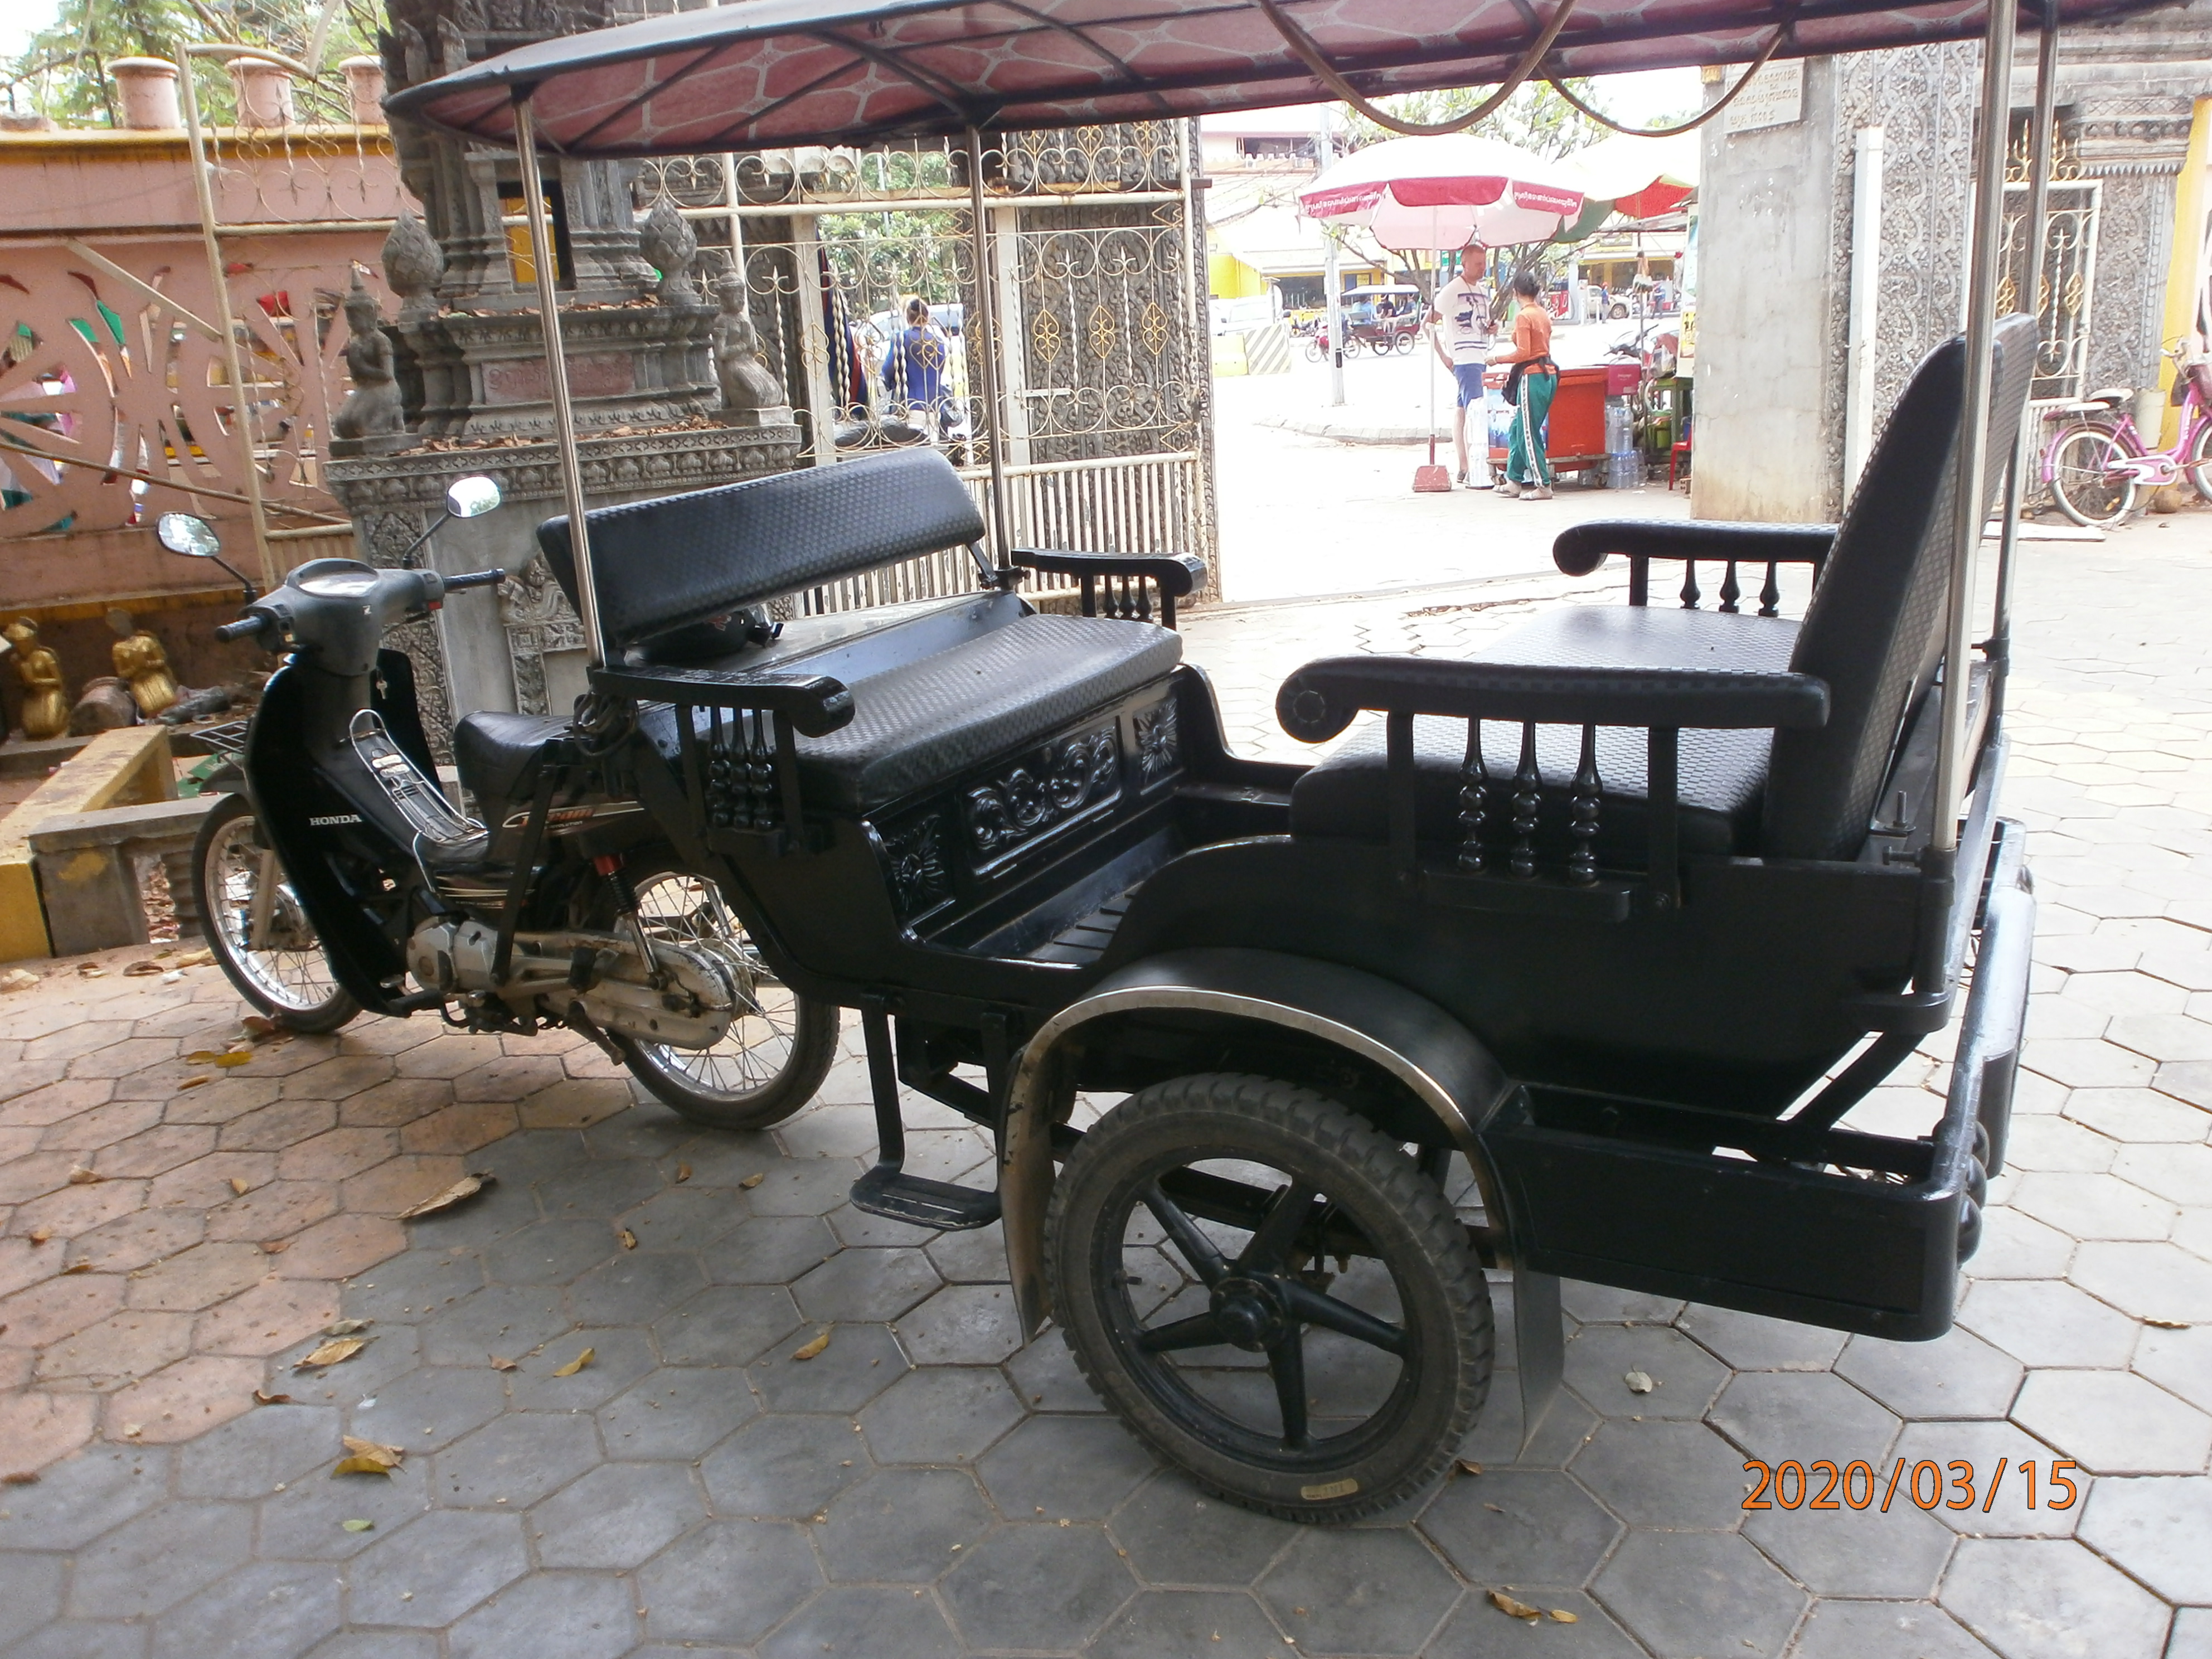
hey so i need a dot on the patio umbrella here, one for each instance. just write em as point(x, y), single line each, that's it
point(1412, 193)
point(1636, 178)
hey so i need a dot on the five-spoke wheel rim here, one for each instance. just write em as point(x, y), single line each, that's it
point(1256, 1347)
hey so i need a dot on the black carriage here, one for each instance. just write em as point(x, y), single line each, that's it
point(1572, 964)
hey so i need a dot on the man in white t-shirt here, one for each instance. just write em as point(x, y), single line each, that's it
point(1460, 329)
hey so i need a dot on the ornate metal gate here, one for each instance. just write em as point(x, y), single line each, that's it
point(2067, 281)
point(1105, 439)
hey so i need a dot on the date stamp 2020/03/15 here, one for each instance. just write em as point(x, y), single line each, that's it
point(1927, 1484)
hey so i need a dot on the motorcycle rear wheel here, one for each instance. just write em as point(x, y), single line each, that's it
point(777, 1053)
point(288, 979)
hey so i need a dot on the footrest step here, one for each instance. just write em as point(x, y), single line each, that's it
point(940, 1204)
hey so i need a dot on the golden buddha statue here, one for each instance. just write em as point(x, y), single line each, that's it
point(143, 666)
point(46, 705)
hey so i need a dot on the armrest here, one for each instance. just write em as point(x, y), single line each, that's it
point(1320, 699)
point(1175, 573)
point(1582, 548)
point(816, 704)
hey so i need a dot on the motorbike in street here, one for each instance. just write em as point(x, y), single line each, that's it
point(560, 902)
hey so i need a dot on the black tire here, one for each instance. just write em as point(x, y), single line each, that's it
point(1365, 1201)
point(752, 1078)
point(2082, 483)
point(1313, 351)
point(289, 980)
point(2200, 463)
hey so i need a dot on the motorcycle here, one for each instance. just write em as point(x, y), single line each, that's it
point(563, 903)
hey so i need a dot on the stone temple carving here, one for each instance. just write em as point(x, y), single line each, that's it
point(751, 394)
point(412, 266)
point(669, 245)
point(370, 421)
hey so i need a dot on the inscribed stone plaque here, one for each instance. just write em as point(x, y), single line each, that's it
point(1776, 99)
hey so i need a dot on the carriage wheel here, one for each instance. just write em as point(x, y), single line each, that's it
point(1190, 1244)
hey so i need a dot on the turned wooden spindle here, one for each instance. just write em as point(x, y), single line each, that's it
point(1527, 781)
point(1473, 799)
point(1583, 804)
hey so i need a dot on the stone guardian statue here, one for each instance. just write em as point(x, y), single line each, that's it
point(143, 664)
point(751, 394)
point(370, 421)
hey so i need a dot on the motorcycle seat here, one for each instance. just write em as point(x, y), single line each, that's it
point(920, 723)
point(497, 754)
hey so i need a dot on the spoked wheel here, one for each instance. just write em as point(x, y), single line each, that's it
point(266, 945)
point(2084, 480)
point(778, 1049)
point(2200, 462)
point(1271, 1295)
point(1314, 353)
point(1403, 345)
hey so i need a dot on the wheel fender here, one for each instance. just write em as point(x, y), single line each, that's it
point(1437, 1058)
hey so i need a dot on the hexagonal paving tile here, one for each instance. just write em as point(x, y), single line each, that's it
point(1958, 1375)
point(865, 1285)
point(902, 1526)
point(1176, 1535)
point(725, 1325)
point(1359, 1591)
point(1600, 1357)
point(1883, 1630)
point(1779, 1414)
point(685, 1591)
point(1750, 1342)
point(1037, 1586)
point(515, 1459)
point(618, 1516)
point(965, 1325)
point(1844, 1551)
point(860, 1362)
point(1521, 1527)
point(784, 1466)
point(433, 1569)
point(865, 1623)
point(2155, 1529)
point(1189, 1621)
point(1684, 1592)
point(2037, 1598)
point(553, 1616)
point(2044, 1322)
point(2114, 1422)
point(1065, 1468)
point(941, 1414)
point(1662, 1472)
point(1984, 1447)
point(137, 1569)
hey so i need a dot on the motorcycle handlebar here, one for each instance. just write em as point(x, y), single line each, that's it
point(244, 627)
point(475, 578)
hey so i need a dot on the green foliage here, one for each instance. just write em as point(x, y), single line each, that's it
point(1535, 117)
point(63, 73)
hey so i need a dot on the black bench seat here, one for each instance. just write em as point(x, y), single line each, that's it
point(1724, 774)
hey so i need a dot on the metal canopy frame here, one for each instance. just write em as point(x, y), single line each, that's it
point(516, 77)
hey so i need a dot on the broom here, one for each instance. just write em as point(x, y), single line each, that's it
point(1432, 478)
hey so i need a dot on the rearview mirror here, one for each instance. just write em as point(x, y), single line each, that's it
point(180, 532)
point(471, 497)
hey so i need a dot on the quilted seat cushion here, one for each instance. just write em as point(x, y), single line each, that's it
point(924, 721)
point(1723, 775)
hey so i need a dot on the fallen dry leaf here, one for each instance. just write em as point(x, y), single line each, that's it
point(78, 1268)
point(330, 1353)
point(203, 1056)
point(40, 1235)
point(499, 1364)
point(1561, 1616)
point(1511, 1607)
point(81, 1176)
point(684, 1172)
point(358, 1526)
point(347, 1326)
point(275, 1246)
point(262, 1398)
point(86, 970)
point(232, 1057)
point(193, 1082)
point(1639, 1382)
point(132, 1431)
point(138, 969)
point(201, 958)
point(17, 978)
point(751, 1181)
point(467, 1187)
point(20, 1478)
point(628, 1238)
point(2168, 1324)
point(1469, 1465)
point(260, 1025)
point(575, 1364)
point(809, 1350)
point(240, 1185)
point(369, 1457)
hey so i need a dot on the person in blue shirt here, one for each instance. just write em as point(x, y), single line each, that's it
point(915, 365)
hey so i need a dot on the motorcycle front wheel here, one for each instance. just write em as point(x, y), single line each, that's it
point(778, 1047)
point(260, 936)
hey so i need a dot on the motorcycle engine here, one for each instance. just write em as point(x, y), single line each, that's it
point(685, 999)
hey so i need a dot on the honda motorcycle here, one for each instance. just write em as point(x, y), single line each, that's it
point(337, 875)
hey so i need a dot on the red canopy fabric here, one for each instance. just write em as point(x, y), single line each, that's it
point(771, 73)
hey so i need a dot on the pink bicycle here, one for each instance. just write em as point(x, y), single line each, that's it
point(2095, 467)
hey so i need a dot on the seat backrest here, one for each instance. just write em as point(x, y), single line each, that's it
point(665, 565)
point(1874, 631)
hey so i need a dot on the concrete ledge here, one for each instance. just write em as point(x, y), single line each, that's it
point(33, 757)
point(115, 769)
point(86, 868)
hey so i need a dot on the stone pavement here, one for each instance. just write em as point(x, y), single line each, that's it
point(924, 1488)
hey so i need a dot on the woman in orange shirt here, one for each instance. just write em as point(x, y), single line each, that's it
point(1527, 470)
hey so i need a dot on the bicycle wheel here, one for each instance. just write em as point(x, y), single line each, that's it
point(1313, 350)
point(778, 1048)
point(2200, 462)
point(260, 936)
point(2083, 480)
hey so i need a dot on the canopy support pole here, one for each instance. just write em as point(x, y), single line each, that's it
point(987, 307)
point(556, 380)
point(2036, 231)
point(1973, 503)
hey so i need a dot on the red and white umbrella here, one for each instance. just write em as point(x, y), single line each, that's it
point(1412, 193)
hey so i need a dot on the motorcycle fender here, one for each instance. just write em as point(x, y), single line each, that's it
point(279, 747)
point(1432, 1054)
